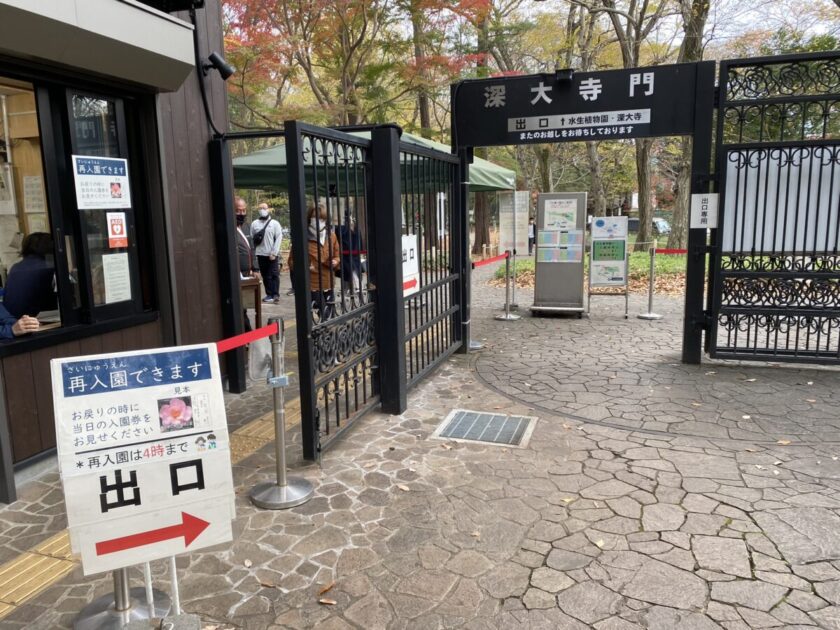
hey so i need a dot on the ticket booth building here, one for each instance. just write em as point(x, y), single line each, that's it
point(106, 220)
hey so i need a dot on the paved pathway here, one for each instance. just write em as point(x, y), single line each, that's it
point(590, 526)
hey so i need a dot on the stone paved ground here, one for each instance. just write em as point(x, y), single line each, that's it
point(595, 524)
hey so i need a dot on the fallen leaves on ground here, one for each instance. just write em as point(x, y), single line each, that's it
point(783, 442)
point(327, 588)
point(672, 284)
point(327, 601)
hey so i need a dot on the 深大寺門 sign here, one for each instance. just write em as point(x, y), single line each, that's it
point(606, 105)
point(143, 453)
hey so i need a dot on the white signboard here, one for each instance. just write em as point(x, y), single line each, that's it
point(790, 204)
point(704, 211)
point(101, 183)
point(117, 278)
point(33, 194)
point(609, 227)
point(513, 220)
point(442, 202)
point(7, 204)
point(410, 264)
point(560, 214)
point(143, 453)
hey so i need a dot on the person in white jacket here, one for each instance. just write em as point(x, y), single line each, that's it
point(267, 236)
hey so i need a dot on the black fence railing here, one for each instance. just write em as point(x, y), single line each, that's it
point(429, 188)
point(354, 204)
point(776, 271)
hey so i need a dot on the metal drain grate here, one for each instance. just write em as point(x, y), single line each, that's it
point(492, 428)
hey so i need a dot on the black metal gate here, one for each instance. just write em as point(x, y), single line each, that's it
point(353, 199)
point(429, 183)
point(775, 268)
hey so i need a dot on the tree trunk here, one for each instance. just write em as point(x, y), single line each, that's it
point(423, 105)
point(596, 187)
point(682, 200)
point(544, 168)
point(482, 222)
point(694, 14)
point(643, 146)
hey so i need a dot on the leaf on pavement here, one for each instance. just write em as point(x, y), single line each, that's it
point(327, 588)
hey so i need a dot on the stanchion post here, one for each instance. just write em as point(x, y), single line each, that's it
point(507, 316)
point(513, 304)
point(122, 596)
point(285, 492)
point(125, 604)
point(651, 280)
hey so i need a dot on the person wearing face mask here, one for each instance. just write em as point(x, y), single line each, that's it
point(267, 236)
point(245, 250)
point(240, 209)
point(324, 258)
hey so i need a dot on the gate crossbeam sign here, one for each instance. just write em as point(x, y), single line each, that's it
point(563, 106)
point(607, 105)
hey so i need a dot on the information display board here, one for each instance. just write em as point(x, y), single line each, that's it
point(143, 454)
point(608, 257)
point(513, 221)
point(561, 224)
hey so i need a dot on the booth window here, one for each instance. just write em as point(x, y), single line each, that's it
point(27, 255)
point(70, 161)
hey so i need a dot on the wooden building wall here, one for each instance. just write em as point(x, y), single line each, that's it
point(184, 134)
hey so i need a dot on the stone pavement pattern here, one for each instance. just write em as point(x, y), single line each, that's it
point(590, 526)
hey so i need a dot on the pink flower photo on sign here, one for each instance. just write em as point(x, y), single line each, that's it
point(175, 413)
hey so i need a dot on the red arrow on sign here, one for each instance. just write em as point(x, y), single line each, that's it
point(190, 527)
point(410, 284)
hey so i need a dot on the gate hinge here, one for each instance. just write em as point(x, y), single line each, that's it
point(705, 322)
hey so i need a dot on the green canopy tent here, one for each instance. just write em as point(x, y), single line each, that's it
point(266, 168)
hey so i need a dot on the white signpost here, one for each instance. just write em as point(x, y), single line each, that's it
point(513, 228)
point(608, 258)
point(513, 220)
point(143, 453)
point(410, 264)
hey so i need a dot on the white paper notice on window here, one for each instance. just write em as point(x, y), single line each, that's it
point(101, 183)
point(7, 204)
point(116, 277)
point(33, 194)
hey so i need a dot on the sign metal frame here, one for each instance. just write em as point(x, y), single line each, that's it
point(618, 234)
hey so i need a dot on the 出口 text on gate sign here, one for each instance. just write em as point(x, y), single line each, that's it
point(611, 104)
point(143, 453)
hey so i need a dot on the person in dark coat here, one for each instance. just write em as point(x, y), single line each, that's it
point(30, 287)
point(244, 249)
point(350, 241)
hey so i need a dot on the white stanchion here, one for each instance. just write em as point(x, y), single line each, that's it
point(507, 316)
point(651, 279)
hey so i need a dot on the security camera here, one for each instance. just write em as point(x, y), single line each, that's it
point(215, 60)
point(564, 75)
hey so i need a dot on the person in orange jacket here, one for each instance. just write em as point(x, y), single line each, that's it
point(324, 259)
